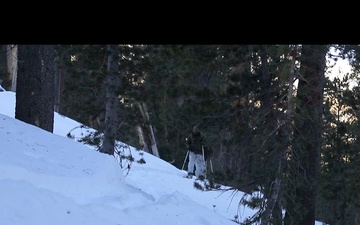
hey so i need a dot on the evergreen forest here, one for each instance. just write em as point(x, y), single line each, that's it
point(277, 122)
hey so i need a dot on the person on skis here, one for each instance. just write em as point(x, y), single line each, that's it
point(197, 151)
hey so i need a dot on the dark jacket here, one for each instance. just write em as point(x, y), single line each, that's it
point(195, 142)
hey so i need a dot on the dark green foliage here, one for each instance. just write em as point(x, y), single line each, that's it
point(339, 180)
point(92, 138)
point(204, 184)
point(237, 94)
point(83, 72)
point(181, 76)
point(141, 161)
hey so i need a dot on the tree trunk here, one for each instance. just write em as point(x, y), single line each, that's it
point(12, 64)
point(142, 139)
point(57, 87)
point(305, 157)
point(35, 86)
point(145, 114)
point(112, 101)
point(286, 130)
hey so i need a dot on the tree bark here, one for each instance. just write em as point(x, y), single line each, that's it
point(143, 144)
point(57, 87)
point(145, 114)
point(35, 86)
point(12, 64)
point(112, 101)
point(305, 157)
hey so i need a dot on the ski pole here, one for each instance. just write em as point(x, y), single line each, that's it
point(211, 166)
point(205, 164)
point(187, 154)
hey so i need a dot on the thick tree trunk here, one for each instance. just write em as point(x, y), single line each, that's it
point(112, 101)
point(47, 54)
point(301, 201)
point(35, 86)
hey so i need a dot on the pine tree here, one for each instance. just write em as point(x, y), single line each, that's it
point(35, 86)
point(338, 200)
point(305, 154)
point(113, 84)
